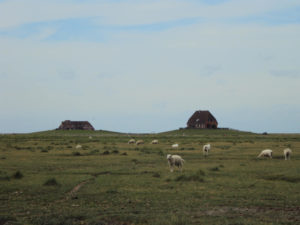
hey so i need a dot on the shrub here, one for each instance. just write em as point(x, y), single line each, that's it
point(18, 175)
point(214, 169)
point(106, 153)
point(156, 174)
point(76, 153)
point(51, 182)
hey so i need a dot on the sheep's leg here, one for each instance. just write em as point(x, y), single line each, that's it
point(171, 169)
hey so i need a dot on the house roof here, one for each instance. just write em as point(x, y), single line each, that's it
point(68, 124)
point(201, 116)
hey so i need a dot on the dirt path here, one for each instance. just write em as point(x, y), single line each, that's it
point(72, 193)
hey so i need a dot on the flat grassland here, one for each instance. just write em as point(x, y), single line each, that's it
point(45, 179)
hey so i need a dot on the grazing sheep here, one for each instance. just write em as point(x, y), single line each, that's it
point(175, 160)
point(266, 153)
point(90, 137)
point(139, 142)
point(206, 149)
point(78, 146)
point(175, 146)
point(131, 141)
point(154, 142)
point(287, 153)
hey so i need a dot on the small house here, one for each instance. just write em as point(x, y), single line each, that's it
point(75, 125)
point(202, 119)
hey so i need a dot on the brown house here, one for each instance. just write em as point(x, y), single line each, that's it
point(202, 119)
point(75, 125)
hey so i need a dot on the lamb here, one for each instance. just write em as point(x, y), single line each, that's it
point(131, 141)
point(154, 142)
point(139, 142)
point(287, 153)
point(266, 153)
point(206, 149)
point(175, 146)
point(175, 160)
point(78, 146)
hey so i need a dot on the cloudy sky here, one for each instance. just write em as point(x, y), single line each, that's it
point(147, 65)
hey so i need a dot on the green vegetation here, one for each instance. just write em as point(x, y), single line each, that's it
point(44, 179)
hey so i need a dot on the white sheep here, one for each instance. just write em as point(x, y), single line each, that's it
point(78, 146)
point(175, 146)
point(175, 160)
point(266, 153)
point(131, 141)
point(287, 153)
point(154, 142)
point(139, 142)
point(206, 149)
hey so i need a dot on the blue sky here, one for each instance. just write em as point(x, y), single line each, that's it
point(147, 65)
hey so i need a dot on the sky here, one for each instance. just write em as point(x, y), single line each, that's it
point(148, 65)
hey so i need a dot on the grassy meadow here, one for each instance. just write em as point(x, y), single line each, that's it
point(45, 179)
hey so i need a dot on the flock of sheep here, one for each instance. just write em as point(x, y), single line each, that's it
point(176, 160)
point(268, 153)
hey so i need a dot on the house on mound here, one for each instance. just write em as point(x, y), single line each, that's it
point(75, 125)
point(202, 119)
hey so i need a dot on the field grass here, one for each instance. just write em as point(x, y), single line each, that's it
point(44, 179)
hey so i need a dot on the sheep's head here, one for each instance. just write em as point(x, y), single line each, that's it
point(169, 156)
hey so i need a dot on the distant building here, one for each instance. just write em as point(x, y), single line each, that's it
point(75, 125)
point(202, 119)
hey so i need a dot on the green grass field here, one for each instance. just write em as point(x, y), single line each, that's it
point(44, 179)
